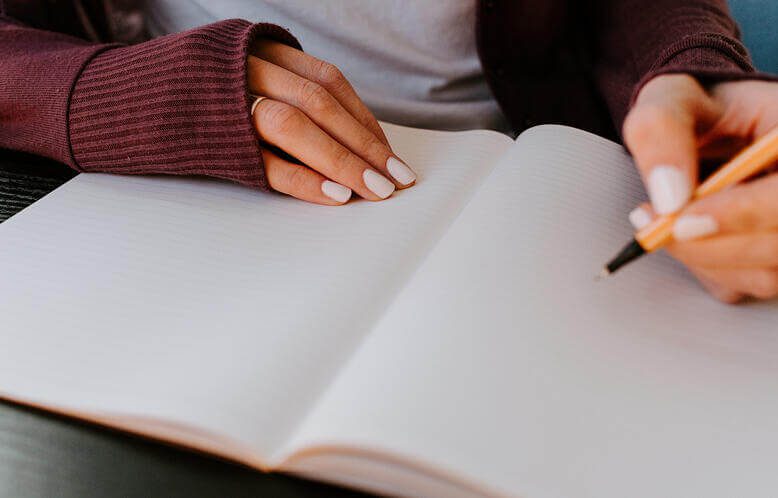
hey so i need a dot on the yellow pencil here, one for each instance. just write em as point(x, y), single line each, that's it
point(751, 160)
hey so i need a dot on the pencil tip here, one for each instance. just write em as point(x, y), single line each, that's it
point(603, 274)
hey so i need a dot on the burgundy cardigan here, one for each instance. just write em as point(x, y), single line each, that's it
point(178, 104)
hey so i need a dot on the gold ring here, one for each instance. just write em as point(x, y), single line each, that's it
point(257, 100)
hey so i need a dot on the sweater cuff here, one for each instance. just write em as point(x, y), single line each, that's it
point(177, 104)
point(710, 58)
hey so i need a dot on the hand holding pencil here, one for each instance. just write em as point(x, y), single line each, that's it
point(728, 234)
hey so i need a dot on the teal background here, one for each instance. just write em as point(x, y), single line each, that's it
point(758, 20)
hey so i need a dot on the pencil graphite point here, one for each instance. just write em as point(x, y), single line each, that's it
point(603, 274)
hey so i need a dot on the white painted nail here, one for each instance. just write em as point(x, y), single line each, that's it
point(669, 189)
point(400, 171)
point(378, 184)
point(639, 218)
point(694, 226)
point(335, 191)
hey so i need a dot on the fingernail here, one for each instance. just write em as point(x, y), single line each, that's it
point(639, 218)
point(335, 191)
point(668, 188)
point(694, 226)
point(400, 171)
point(377, 184)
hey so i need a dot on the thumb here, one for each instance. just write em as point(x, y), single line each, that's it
point(661, 133)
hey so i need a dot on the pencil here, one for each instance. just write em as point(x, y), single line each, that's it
point(755, 158)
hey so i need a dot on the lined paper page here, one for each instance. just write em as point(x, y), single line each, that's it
point(208, 304)
point(503, 362)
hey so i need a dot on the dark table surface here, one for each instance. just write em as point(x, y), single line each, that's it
point(42, 455)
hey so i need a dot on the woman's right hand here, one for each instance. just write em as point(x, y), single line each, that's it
point(313, 114)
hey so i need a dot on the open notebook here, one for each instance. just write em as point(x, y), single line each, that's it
point(448, 342)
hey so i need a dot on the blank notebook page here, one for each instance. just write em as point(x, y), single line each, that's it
point(505, 363)
point(209, 304)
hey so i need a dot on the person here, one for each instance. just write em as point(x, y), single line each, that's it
point(244, 102)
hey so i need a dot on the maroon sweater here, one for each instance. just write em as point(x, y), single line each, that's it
point(178, 104)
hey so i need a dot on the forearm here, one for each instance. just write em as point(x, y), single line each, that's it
point(39, 69)
point(175, 105)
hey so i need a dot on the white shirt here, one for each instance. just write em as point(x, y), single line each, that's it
point(411, 62)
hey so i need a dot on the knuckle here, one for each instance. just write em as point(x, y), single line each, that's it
point(764, 284)
point(371, 147)
point(342, 158)
point(644, 121)
point(329, 75)
point(315, 97)
point(297, 180)
point(637, 124)
point(280, 118)
point(342, 163)
point(651, 122)
point(366, 118)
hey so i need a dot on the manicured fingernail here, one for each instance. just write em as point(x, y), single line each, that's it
point(335, 191)
point(694, 226)
point(400, 171)
point(639, 218)
point(377, 184)
point(669, 189)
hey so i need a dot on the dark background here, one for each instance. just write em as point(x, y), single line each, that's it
point(42, 455)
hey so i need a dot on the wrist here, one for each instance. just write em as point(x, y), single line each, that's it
point(177, 104)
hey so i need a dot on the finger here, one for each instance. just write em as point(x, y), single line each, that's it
point(322, 108)
point(292, 131)
point(751, 250)
point(748, 207)
point(302, 182)
point(716, 288)
point(323, 73)
point(759, 283)
point(747, 107)
point(661, 133)
point(641, 216)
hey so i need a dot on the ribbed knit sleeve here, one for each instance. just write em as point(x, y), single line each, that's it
point(38, 70)
point(710, 58)
point(639, 40)
point(177, 104)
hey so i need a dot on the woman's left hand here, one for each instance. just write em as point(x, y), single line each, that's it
point(728, 240)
